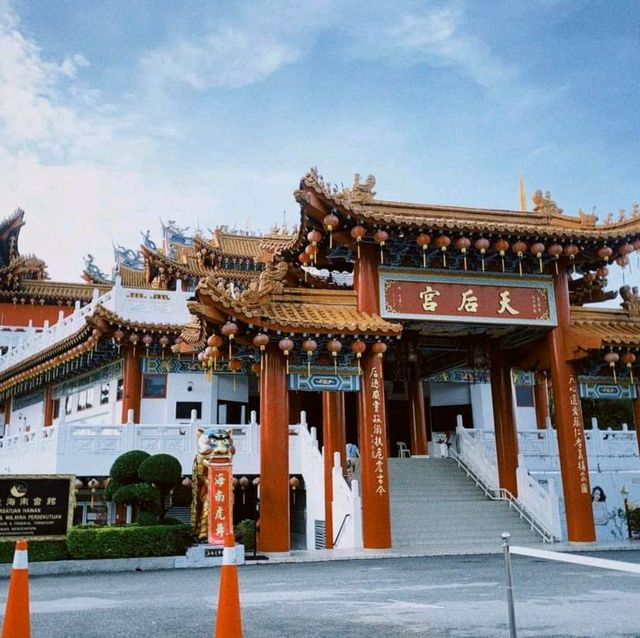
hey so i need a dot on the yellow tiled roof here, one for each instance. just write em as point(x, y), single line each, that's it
point(613, 327)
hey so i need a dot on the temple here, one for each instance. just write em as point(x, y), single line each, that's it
point(455, 348)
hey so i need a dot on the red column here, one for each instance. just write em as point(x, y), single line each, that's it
point(569, 425)
point(365, 279)
point(504, 422)
point(333, 436)
point(418, 442)
point(132, 385)
point(274, 453)
point(541, 398)
point(372, 434)
point(48, 406)
point(636, 415)
point(7, 412)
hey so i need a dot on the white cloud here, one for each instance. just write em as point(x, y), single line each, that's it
point(435, 37)
point(222, 57)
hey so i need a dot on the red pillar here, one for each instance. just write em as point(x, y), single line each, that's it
point(418, 442)
point(372, 426)
point(132, 385)
point(48, 406)
point(541, 399)
point(636, 415)
point(365, 279)
point(7, 412)
point(504, 422)
point(274, 453)
point(569, 424)
point(333, 436)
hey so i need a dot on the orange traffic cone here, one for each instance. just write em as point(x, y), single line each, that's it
point(228, 619)
point(16, 613)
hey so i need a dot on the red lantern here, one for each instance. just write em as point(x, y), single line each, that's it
point(612, 358)
point(235, 365)
point(555, 250)
point(261, 341)
point(443, 242)
point(628, 358)
point(286, 345)
point(358, 232)
point(133, 338)
point(215, 341)
point(334, 347)
point(537, 249)
point(256, 368)
point(118, 335)
point(463, 244)
point(622, 261)
point(502, 245)
point(602, 272)
point(625, 249)
point(605, 253)
point(309, 346)
point(381, 237)
point(147, 340)
point(230, 330)
point(423, 240)
point(314, 236)
point(571, 251)
point(358, 347)
point(379, 348)
point(482, 245)
point(330, 222)
point(304, 259)
point(164, 342)
point(520, 248)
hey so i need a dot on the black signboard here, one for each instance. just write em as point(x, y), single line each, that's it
point(212, 552)
point(36, 506)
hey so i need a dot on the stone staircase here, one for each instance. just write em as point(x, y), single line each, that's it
point(436, 507)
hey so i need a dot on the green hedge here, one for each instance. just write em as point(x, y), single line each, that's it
point(38, 551)
point(131, 541)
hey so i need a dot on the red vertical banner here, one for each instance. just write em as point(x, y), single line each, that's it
point(220, 501)
point(376, 516)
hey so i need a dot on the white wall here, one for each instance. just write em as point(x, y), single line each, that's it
point(449, 394)
point(481, 406)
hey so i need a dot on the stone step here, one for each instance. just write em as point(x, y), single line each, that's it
point(434, 503)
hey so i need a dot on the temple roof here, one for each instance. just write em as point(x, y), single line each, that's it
point(610, 326)
point(545, 220)
point(270, 304)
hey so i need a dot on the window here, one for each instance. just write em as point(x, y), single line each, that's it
point(82, 400)
point(56, 408)
point(120, 390)
point(183, 409)
point(154, 386)
point(90, 399)
point(104, 393)
point(230, 411)
point(68, 404)
point(524, 396)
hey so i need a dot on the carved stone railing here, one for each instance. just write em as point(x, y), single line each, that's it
point(346, 509)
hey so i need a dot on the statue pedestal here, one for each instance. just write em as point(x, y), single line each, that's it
point(207, 556)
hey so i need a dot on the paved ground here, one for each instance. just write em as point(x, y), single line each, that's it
point(449, 597)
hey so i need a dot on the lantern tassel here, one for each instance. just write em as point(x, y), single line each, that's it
point(424, 257)
point(464, 260)
point(520, 265)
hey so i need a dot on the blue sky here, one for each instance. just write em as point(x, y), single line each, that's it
point(113, 114)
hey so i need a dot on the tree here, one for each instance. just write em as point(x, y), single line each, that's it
point(125, 486)
point(163, 472)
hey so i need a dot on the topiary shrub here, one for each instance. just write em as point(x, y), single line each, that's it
point(164, 472)
point(131, 541)
point(125, 468)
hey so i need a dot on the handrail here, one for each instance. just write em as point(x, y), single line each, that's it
point(502, 494)
point(337, 538)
